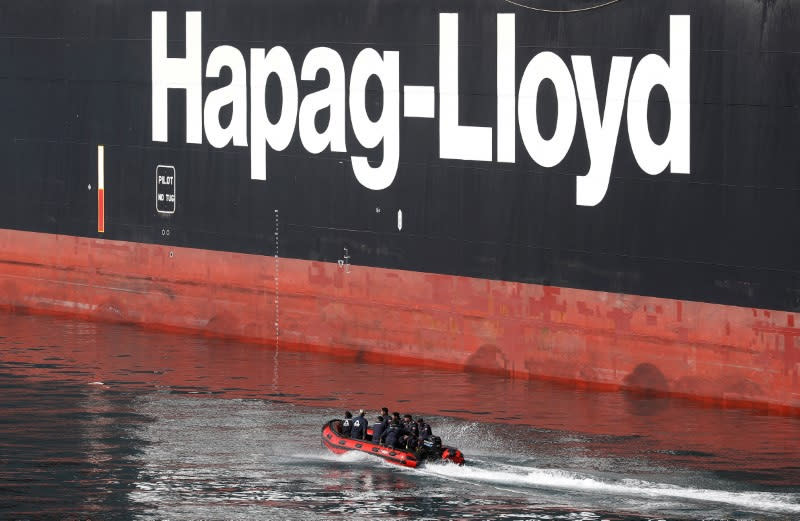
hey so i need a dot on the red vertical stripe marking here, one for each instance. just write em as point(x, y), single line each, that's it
point(101, 185)
point(101, 224)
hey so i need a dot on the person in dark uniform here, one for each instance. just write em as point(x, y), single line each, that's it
point(409, 425)
point(410, 432)
point(424, 429)
point(378, 428)
point(359, 430)
point(391, 436)
point(385, 414)
point(347, 424)
point(396, 416)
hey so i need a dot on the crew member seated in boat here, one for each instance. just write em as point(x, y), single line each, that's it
point(424, 429)
point(347, 424)
point(359, 430)
point(378, 428)
point(411, 442)
point(391, 436)
point(409, 425)
point(410, 433)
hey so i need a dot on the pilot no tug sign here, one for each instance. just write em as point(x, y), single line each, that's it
point(165, 189)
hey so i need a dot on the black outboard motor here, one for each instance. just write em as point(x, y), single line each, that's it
point(430, 448)
point(432, 443)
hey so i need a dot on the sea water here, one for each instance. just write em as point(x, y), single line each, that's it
point(103, 421)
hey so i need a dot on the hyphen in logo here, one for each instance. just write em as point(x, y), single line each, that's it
point(516, 104)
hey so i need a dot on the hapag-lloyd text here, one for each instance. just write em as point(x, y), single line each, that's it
point(516, 104)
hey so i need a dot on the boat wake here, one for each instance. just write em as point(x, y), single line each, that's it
point(520, 478)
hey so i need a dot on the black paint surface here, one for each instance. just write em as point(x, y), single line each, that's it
point(77, 74)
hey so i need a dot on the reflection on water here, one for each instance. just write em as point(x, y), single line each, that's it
point(116, 422)
point(64, 447)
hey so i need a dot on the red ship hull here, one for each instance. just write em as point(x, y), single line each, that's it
point(723, 354)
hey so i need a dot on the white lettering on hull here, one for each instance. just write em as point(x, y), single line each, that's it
point(516, 104)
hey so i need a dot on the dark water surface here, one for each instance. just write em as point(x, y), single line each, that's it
point(112, 422)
